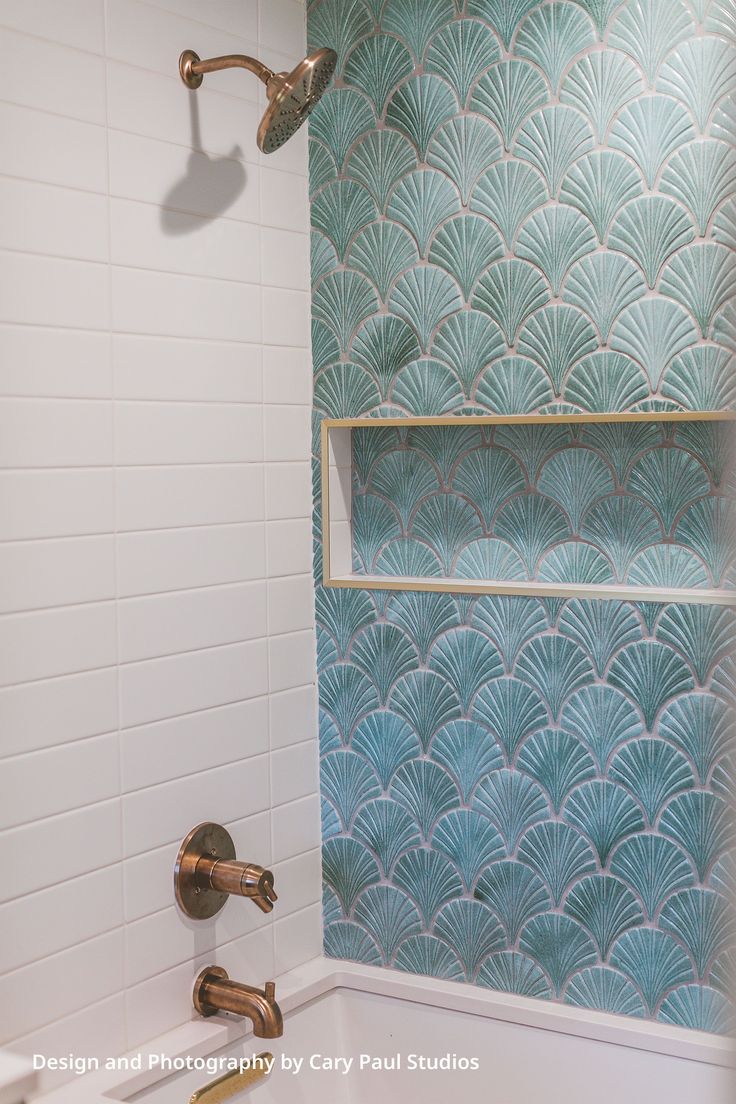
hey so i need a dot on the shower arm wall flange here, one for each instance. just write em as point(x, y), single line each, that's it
point(192, 68)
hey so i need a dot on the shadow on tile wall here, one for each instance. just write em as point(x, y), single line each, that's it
point(515, 207)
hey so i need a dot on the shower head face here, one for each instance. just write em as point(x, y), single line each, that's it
point(292, 98)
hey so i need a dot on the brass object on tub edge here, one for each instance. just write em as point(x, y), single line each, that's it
point(231, 1083)
point(206, 872)
point(215, 992)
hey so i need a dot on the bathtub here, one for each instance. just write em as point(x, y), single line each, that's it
point(526, 1051)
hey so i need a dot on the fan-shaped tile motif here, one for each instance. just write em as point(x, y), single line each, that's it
point(523, 207)
point(649, 29)
point(507, 94)
point(599, 85)
point(551, 139)
point(460, 52)
point(376, 66)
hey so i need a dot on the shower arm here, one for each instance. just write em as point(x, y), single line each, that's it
point(192, 68)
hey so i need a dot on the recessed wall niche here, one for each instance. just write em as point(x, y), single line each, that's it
point(630, 506)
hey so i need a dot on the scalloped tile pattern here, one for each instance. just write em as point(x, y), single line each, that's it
point(530, 795)
point(581, 497)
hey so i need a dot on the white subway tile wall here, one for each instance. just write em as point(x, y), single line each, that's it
point(156, 603)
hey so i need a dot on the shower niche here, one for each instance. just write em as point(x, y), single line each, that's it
point(634, 506)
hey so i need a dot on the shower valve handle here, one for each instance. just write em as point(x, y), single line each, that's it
point(207, 872)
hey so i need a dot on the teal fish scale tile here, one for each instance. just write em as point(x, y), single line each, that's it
point(523, 206)
point(608, 504)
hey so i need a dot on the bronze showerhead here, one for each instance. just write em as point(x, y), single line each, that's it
point(291, 96)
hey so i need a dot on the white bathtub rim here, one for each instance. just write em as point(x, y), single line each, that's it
point(321, 976)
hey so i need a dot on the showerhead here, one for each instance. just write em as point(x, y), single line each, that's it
point(292, 96)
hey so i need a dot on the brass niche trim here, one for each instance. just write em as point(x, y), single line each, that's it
point(206, 872)
point(612, 592)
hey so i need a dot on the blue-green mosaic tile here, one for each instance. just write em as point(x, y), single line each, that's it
point(522, 206)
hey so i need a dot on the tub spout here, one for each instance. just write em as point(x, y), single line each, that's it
point(214, 992)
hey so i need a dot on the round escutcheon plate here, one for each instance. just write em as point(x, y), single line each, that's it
point(210, 840)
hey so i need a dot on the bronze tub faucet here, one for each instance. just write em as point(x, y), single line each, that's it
point(214, 992)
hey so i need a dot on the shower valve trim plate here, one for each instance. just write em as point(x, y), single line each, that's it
point(206, 872)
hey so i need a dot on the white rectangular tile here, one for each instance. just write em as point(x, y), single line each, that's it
point(147, 877)
point(51, 77)
point(142, 35)
point(177, 559)
point(341, 448)
point(176, 178)
point(186, 745)
point(55, 503)
point(161, 941)
point(46, 783)
point(341, 489)
point(97, 969)
point(40, 433)
point(167, 938)
point(296, 826)
point(287, 376)
point(164, 624)
point(38, 574)
point(186, 370)
point(187, 433)
point(48, 291)
point(299, 879)
point(56, 642)
point(218, 124)
point(184, 306)
point(169, 497)
point(54, 711)
point(284, 201)
point(82, 908)
point(43, 218)
point(282, 25)
point(297, 938)
point(285, 259)
point(229, 15)
point(79, 23)
point(81, 841)
point(291, 660)
point(160, 688)
point(341, 547)
point(38, 146)
point(287, 433)
point(286, 317)
point(148, 881)
point(294, 775)
point(293, 716)
point(101, 1026)
point(142, 236)
point(251, 956)
point(289, 547)
point(162, 814)
point(164, 1001)
point(54, 363)
point(290, 604)
point(288, 491)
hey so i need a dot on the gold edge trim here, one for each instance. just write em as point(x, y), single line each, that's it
point(535, 590)
point(325, 476)
point(536, 419)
